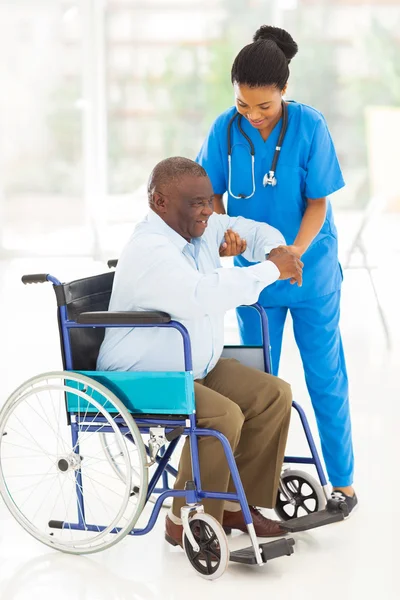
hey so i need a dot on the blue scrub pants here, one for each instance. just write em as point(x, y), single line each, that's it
point(317, 334)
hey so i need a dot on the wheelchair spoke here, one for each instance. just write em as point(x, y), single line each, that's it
point(94, 495)
point(37, 487)
point(102, 473)
point(87, 509)
point(67, 507)
point(8, 443)
point(214, 553)
point(209, 564)
point(93, 417)
point(41, 450)
point(103, 485)
point(82, 516)
point(27, 487)
point(285, 503)
point(98, 498)
point(311, 496)
point(101, 452)
point(293, 486)
point(202, 535)
point(82, 438)
point(30, 475)
point(58, 418)
point(45, 420)
point(132, 450)
point(48, 494)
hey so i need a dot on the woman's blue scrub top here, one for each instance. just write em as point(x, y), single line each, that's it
point(307, 168)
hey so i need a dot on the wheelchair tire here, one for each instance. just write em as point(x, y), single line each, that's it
point(212, 560)
point(54, 477)
point(305, 492)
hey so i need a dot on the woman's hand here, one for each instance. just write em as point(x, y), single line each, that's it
point(233, 244)
point(298, 251)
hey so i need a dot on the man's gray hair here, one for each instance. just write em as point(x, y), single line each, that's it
point(172, 170)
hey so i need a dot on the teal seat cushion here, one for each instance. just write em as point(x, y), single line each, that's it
point(149, 393)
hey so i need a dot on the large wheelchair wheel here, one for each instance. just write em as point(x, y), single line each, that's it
point(54, 477)
point(299, 494)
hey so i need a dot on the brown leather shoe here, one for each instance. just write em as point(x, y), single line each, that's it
point(173, 532)
point(263, 527)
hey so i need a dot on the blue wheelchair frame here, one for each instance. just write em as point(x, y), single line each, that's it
point(192, 496)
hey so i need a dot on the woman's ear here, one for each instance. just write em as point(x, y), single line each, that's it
point(284, 90)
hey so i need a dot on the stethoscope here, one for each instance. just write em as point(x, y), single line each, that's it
point(269, 178)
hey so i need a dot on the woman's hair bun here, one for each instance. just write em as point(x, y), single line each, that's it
point(282, 38)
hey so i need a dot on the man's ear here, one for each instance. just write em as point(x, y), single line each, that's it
point(160, 202)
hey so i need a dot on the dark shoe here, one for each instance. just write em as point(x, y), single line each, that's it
point(263, 527)
point(338, 498)
point(173, 532)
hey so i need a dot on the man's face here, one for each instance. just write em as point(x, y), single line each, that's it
point(186, 205)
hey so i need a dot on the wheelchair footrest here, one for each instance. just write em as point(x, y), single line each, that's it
point(269, 550)
point(312, 521)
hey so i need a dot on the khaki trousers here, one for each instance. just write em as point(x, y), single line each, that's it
point(252, 409)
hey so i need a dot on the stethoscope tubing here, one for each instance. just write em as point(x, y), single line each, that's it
point(271, 173)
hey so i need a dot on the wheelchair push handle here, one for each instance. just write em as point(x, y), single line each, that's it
point(39, 278)
point(112, 263)
point(34, 278)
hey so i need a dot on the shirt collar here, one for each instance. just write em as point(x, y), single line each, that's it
point(160, 225)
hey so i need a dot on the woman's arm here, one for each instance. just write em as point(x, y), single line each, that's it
point(218, 204)
point(244, 236)
point(313, 219)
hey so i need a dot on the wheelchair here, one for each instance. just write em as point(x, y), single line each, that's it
point(77, 446)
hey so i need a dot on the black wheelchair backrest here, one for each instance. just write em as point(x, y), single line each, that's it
point(84, 295)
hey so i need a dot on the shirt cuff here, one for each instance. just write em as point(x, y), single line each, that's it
point(267, 272)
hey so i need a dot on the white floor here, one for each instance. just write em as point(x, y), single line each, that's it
point(356, 559)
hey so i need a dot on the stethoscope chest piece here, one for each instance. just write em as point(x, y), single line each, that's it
point(269, 179)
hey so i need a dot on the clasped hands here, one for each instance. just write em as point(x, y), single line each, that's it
point(286, 258)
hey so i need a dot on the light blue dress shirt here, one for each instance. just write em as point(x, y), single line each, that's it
point(160, 270)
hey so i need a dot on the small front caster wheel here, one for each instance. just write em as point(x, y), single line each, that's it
point(212, 558)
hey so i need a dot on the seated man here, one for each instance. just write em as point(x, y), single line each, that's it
point(172, 264)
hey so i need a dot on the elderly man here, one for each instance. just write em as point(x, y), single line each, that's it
point(172, 264)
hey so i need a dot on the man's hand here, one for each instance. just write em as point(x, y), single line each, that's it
point(289, 265)
point(233, 244)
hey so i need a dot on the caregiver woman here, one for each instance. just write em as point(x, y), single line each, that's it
point(277, 163)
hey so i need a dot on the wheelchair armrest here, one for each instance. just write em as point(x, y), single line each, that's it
point(123, 318)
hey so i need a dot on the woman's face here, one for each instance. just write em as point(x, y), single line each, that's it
point(261, 106)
